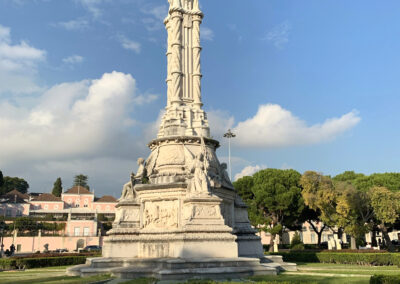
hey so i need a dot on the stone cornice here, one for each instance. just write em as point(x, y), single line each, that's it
point(182, 139)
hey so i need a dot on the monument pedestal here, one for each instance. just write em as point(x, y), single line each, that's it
point(188, 221)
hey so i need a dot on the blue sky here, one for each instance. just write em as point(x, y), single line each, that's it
point(309, 85)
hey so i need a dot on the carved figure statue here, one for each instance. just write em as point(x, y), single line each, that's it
point(199, 183)
point(128, 191)
point(141, 173)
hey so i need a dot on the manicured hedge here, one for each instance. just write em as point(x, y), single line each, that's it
point(385, 279)
point(12, 263)
point(342, 258)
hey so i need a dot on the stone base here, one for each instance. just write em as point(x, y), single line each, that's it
point(177, 244)
point(176, 269)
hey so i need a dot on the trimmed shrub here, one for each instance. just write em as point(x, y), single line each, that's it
point(378, 259)
point(13, 263)
point(385, 279)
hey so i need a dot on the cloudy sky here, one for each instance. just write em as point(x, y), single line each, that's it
point(308, 85)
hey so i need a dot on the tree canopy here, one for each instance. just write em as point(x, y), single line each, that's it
point(57, 188)
point(81, 180)
point(274, 197)
point(11, 183)
point(1, 179)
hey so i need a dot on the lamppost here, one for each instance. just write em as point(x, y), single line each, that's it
point(229, 135)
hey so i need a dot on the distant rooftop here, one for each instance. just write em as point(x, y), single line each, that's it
point(14, 196)
point(106, 198)
point(78, 190)
point(47, 197)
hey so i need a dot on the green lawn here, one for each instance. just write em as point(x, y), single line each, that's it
point(50, 275)
point(307, 273)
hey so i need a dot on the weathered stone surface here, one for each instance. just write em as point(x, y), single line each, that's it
point(179, 216)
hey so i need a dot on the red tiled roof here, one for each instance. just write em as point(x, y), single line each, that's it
point(17, 193)
point(14, 196)
point(47, 197)
point(107, 198)
point(78, 190)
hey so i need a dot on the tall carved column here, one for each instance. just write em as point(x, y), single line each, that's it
point(176, 15)
point(169, 61)
point(197, 19)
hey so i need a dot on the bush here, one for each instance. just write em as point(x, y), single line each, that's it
point(379, 259)
point(385, 279)
point(296, 243)
point(13, 263)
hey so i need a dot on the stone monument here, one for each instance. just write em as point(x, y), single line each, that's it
point(179, 216)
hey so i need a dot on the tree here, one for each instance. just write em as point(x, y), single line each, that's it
point(386, 205)
point(319, 195)
point(355, 214)
point(81, 180)
point(1, 179)
point(313, 217)
point(277, 200)
point(11, 183)
point(244, 187)
point(348, 176)
point(57, 188)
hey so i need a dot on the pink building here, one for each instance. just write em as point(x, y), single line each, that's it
point(14, 204)
point(77, 207)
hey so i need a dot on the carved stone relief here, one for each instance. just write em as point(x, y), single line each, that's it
point(160, 214)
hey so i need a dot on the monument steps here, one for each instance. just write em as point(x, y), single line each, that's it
point(177, 269)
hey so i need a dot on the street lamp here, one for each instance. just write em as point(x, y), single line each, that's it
point(229, 135)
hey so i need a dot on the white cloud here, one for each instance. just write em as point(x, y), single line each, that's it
point(220, 121)
point(145, 99)
point(279, 35)
point(73, 59)
point(18, 64)
point(70, 120)
point(93, 6)
point(274, 126)
point(78, 127)
point(159, 12)
point(206, 34)
point(130, 44)
point(155, 16)
point(249, 171)
point(78, 24)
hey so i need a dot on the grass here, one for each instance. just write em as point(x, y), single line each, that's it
point(49, 275)
point(307, 273)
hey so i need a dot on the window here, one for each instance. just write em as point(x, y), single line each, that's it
point(8, 212)
point(312, 238)
point(77, 231)
point(324, 238)
point(77, 205)
point(86, 231)
point(19, 213)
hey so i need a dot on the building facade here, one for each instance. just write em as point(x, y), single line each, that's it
point(77, 208)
